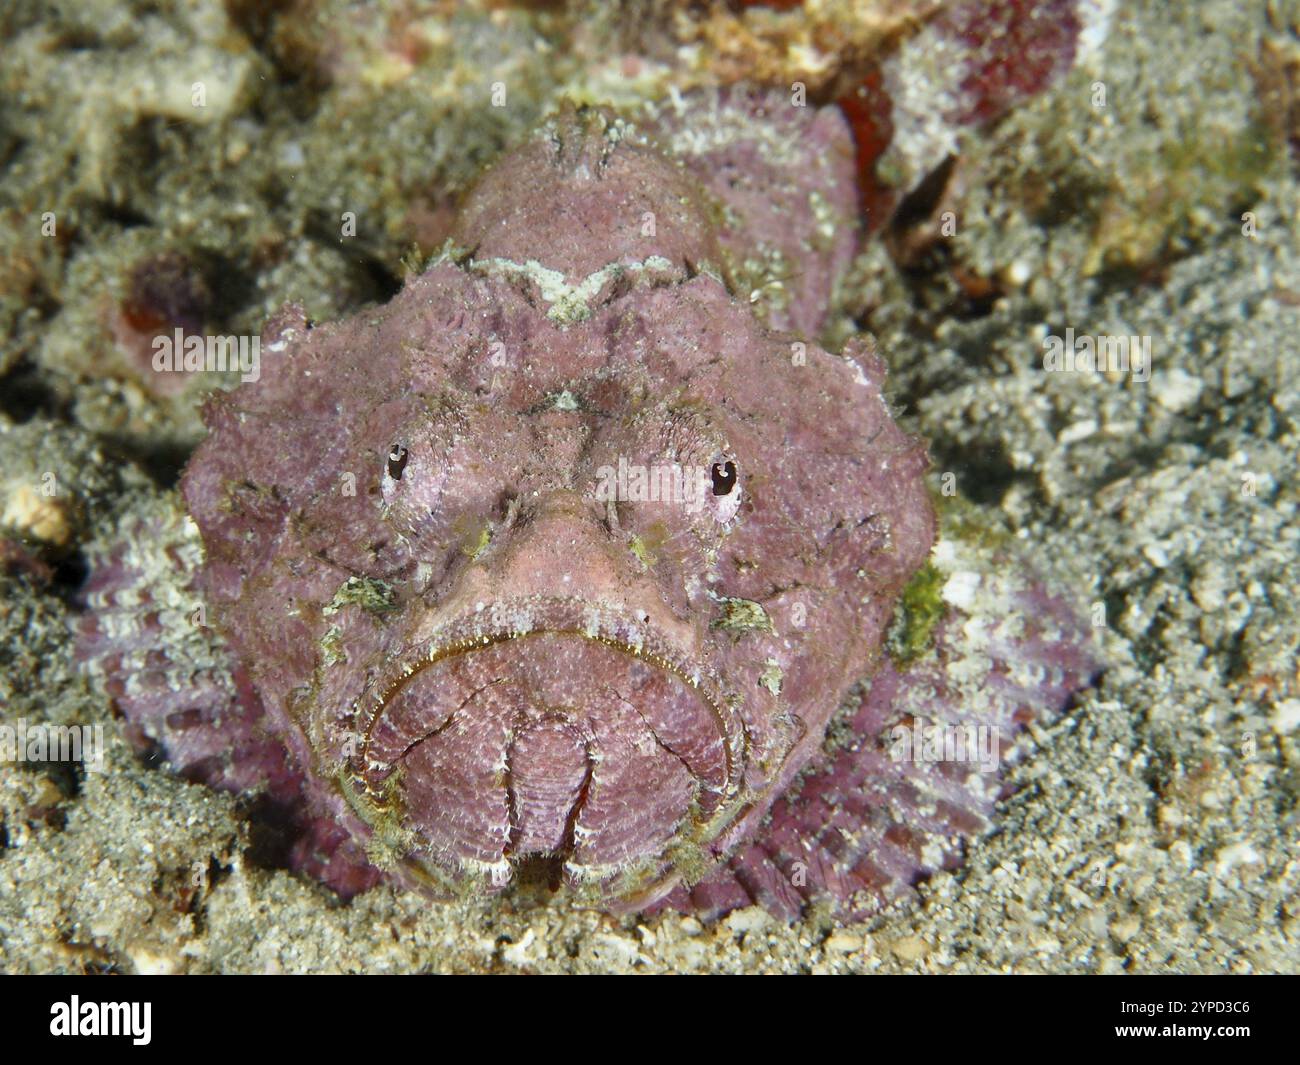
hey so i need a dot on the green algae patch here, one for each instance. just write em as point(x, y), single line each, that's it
point(373, 596)
point(968, 523)
point(474, 533)
point(641, 552)
point(740, 616)
point(645, 548)
point(772, 676)
point(919, 609)
point(476, 543)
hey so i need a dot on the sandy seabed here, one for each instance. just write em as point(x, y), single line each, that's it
point(1155, 827)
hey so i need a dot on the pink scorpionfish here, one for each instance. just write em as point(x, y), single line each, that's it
point(561, 565)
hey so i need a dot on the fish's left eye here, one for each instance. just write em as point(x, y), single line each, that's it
point(724, 477)
point(396, 462)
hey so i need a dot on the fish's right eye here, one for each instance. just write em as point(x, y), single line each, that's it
point(396, 461)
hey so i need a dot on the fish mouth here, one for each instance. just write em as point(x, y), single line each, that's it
point(555, 729)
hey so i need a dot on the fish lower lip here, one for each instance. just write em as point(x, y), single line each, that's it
point(582, 735)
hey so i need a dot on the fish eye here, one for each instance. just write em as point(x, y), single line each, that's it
point(396, 461)
point(724, 477)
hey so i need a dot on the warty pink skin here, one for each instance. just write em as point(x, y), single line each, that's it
point(478, 664)
point(552, 673)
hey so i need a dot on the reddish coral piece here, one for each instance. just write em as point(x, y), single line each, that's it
point(164, 292)
point(969, 65)
point(166, 295)
point(1017, 49)
point(867, 110)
